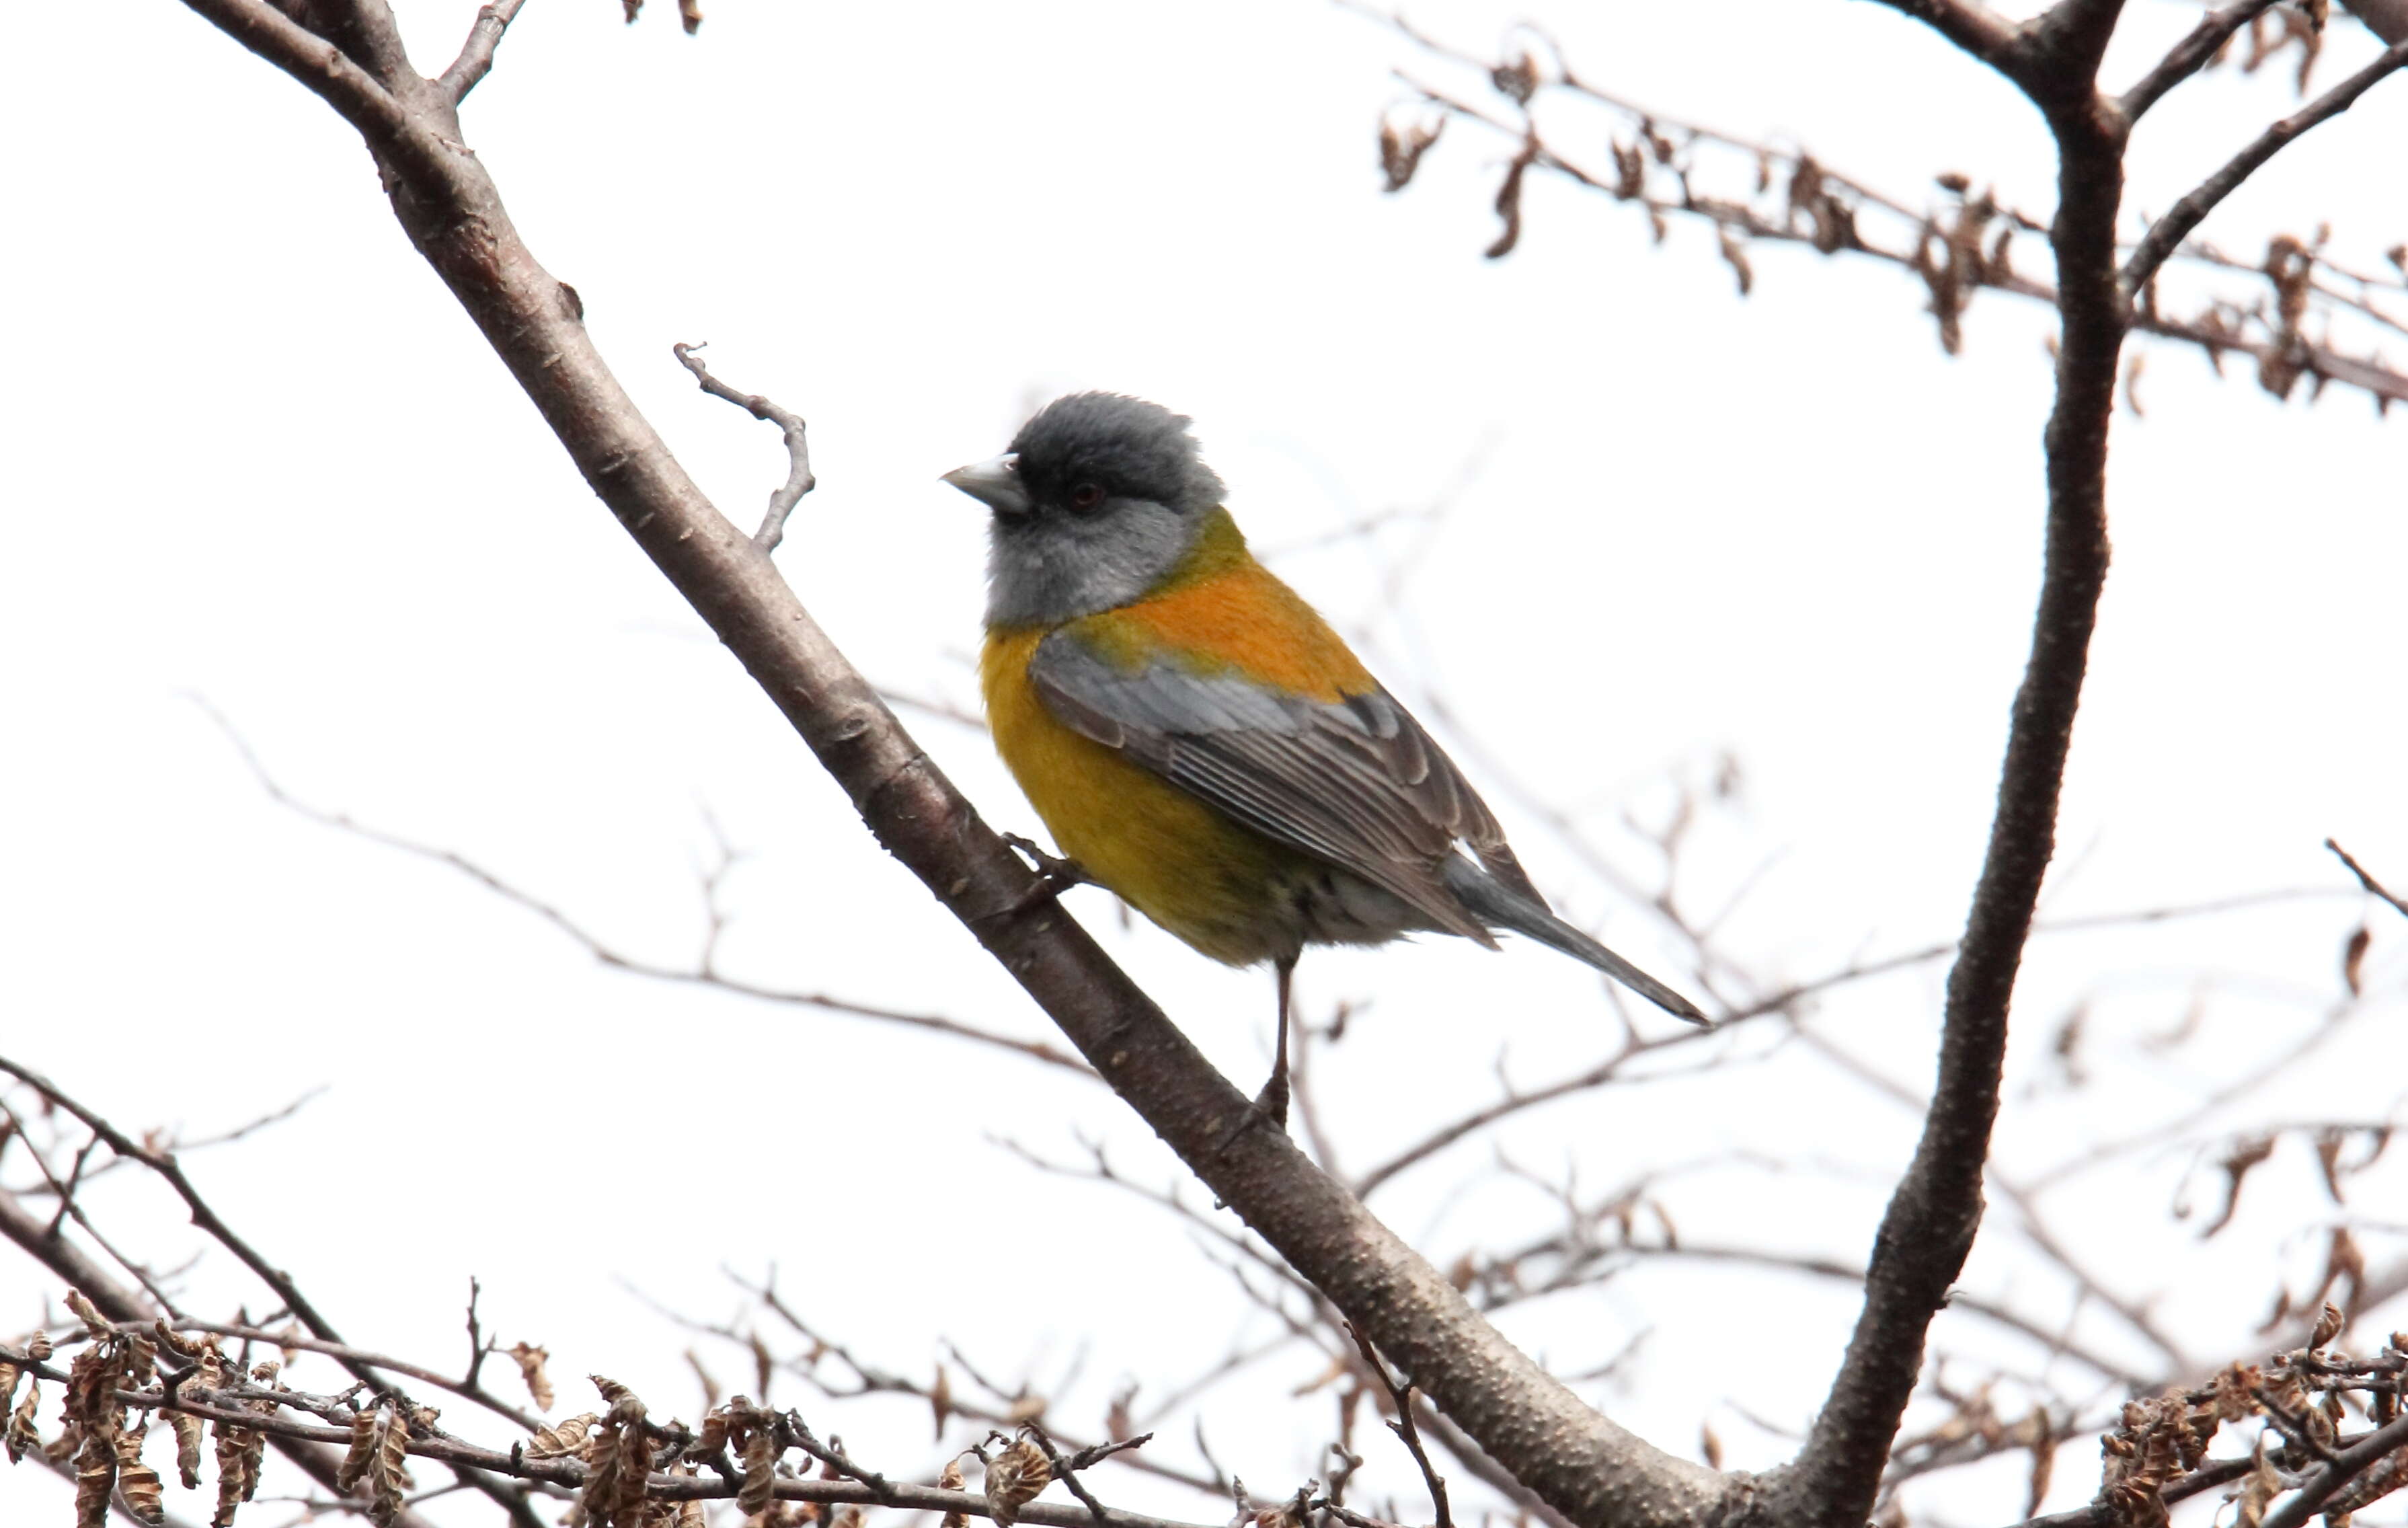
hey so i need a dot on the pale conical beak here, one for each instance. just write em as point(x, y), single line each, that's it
point(994, 482)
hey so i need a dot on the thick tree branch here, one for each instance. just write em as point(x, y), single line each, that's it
point(1593, 1471)
point(2167, 234)
point(1975, 28)
point(1929, 1228)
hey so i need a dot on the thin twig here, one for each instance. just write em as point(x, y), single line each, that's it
point(2186, 214)
point(609, 954)
point(2374, 887)
point(2188, 57)
point(476, 58)
point(798, 449)
point(1404, 1425)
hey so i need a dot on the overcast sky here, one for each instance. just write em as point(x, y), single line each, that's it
point(258, 457)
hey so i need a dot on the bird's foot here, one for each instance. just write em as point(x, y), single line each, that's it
point(1055, 876)
point(1269, 1107)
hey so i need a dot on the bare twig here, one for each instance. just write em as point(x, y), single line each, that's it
point(1404, 1425)
point(476, 58)
point(2169, 231)
point(2374, 887)
point(2344, 1465)
point(2188, 57)
point(798, 449)
point(609, 954)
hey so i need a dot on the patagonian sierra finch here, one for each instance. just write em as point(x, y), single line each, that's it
point(1199, 740)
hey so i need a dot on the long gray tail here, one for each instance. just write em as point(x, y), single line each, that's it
point(1499, 906)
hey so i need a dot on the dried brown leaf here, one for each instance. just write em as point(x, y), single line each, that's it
point(941, 1401)
point(189, 1431)
point(563, 1438)
point(2329, 1324)
point(1508, 201)
point(1516, 78)
point(2353, 964)
point(361, 1452)
point(136, 1481)
point(1014, 1479)
point(1709, 1446)
point(950, 1479)
point(1735, 255)
point(1400, 152)
point(530, 1360)
point(760, 1460)
point(2236, 1163)
point(96, 1326)
point(2259, 1489)
point(2043, 1464)
point(95, 1477)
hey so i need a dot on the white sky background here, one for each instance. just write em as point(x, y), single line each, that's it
point(257, 453)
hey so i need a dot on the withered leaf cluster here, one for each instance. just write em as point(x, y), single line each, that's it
point(2304, 1401)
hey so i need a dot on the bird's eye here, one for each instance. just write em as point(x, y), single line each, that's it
point(1087, 496)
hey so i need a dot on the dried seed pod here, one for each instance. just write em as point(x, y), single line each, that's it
point(530, 1360)
point(2329, 1326)
point(9, 1374)
point(564, 1438)
point(1014, 1479)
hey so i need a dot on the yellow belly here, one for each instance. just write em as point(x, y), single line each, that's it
point(1219, 887)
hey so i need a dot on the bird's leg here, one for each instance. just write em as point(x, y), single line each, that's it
point(1269, 1106)
point(1271, 1103)
point(1055, 876)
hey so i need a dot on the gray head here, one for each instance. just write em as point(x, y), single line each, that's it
point(1096, 500)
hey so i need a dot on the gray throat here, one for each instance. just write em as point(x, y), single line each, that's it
point(1048, 569)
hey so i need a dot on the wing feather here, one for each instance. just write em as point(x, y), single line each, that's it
point(1357, 783)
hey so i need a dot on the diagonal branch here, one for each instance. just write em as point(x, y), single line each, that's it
point(476, 58)
point(2374, 887)
point(2188, 57)
point(1975, 28)
point(2168, 232)
point(1593, 1471)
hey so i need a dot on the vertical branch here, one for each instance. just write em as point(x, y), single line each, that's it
point(1929, 1228)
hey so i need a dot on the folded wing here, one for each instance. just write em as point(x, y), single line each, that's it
point(1357, 783)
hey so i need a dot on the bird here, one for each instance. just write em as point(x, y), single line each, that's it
point(1199, 740)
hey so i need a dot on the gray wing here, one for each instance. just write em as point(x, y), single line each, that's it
point(1358, 783)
